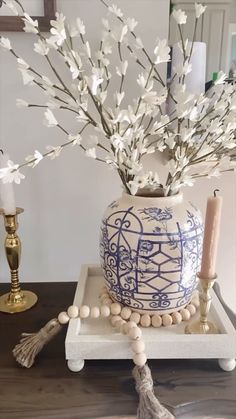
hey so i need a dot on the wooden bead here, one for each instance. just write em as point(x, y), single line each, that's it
point(135, 317)
point(192, 309)
point(63, 318)
point(195, 302)
point(115, 308)
point(125, 313)
point(156, 320)
point(130, 325)
point(84, 312)
point(105, 311)
point(166, 320)
point(145, 320)
point(138, 346)
point(115, 319)
point(73, 312)
point(135, 333)
point(140, 359)
point(107, 301)
point(185, 314)
point(95, 312)
point(176, 318)
point(127, 327)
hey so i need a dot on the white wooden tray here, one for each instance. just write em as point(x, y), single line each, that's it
point(97, 339)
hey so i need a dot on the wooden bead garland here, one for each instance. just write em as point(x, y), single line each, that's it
point(146, 320)
point(126, 321)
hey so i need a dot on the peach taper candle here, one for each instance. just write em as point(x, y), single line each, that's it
point(211, 236)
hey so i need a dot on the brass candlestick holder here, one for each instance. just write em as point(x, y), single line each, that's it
point(16, 300)
point(203, 326)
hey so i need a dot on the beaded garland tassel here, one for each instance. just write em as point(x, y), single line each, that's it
point(126, 322)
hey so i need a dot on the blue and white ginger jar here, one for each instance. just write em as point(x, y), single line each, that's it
point(150, 251)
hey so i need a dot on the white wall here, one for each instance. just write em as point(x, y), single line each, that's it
point(64, 199)
point(233, 12)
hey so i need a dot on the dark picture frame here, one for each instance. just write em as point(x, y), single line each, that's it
point(15, 24)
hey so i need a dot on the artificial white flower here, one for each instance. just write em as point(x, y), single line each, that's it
point(131, 23)
point(87, 49)
point(11, 173)
point(142, 80)
point(183, 68)
point(26, 76)
point(94, 82)
point(74, 68)
point(115, 10)
point(52, 42)
point(151, 98)
point(221, 76)
point(58, 29)
point(22, 64)
point(119, 96)
point(137, 183)
point(31, 26)
point(41, 47)
point(75, 139)
point(119, 32)
point(162, 52)
point(73, 31)
point(101, 96)
point(106, 47)
point(50, 120)
point(91, 152)
point(80, 26)
point(101, 57)
point(12, 7)
point(139, 43)
point(117, 141)
point(35, 159)
point(199, 9)
point(179, 16)
point(20, 103)
point(53, 152)
point(52, 104)
point(121, 71)
point(5, 43)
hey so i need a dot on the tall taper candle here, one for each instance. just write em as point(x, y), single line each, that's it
point(6, 189)
point(211, 236)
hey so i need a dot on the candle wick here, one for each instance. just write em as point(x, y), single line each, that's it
point(216, 190)
point(1, 151)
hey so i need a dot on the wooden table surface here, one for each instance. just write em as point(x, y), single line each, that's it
point(103, 389)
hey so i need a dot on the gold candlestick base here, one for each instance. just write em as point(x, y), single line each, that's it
point(16, 300)
point(12, 304)
point(203, 326)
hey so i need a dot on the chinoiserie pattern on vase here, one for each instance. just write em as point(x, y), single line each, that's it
point(151, 251)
